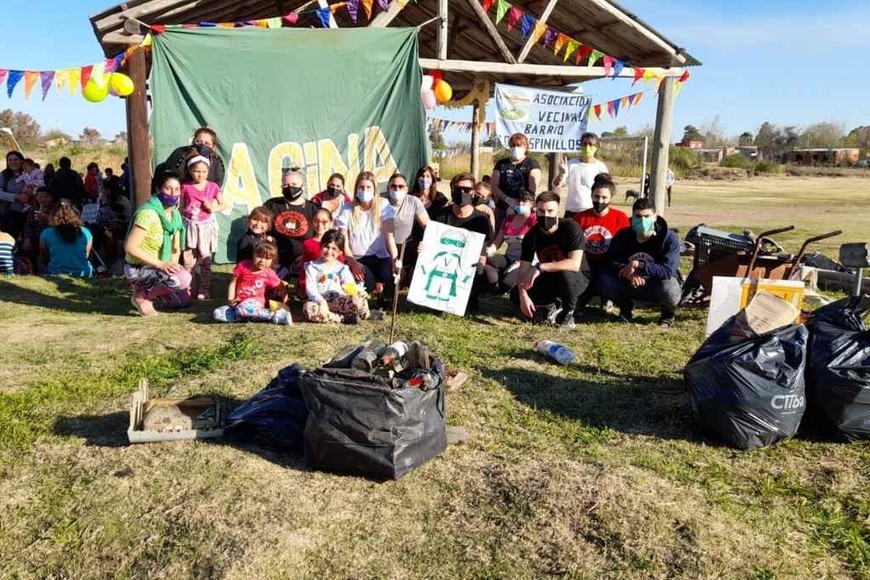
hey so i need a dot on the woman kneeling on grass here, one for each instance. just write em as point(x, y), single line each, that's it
point(153, 248)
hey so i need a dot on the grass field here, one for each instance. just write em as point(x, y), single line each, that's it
point(592, 471)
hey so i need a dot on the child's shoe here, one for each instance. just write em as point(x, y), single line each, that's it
point(282, 317)
point(144, 306)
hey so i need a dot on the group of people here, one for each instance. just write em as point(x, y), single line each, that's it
point(345, 247)
point(53, 221)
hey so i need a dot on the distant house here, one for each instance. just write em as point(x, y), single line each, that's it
point(839, 156)
point(748, 151)
point(691, 144)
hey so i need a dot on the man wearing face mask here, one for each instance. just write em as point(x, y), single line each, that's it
point(462, 214)
point(293, 216)
point(561, 274)
point(407, 211)
point(580, 174)
point(513, 175)
point(643, 263)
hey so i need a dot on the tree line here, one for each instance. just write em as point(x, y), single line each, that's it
point(28, 132)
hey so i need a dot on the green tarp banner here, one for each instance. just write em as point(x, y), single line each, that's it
point(323, 100)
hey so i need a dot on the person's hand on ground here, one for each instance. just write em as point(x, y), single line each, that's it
point(527, 307)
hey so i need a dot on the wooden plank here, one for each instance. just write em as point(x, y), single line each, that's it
point(475, 139)
point(491, 30)
point(531, 41)
point(384, 19)
point(662, 144)
point(442, 29)
point(138, 141)
point(535, 70)
point(639, 28)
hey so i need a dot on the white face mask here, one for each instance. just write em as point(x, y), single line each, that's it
point(365, 196)
point(518, 153)
point(396, 197)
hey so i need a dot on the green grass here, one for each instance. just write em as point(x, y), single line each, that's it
point(590, 471)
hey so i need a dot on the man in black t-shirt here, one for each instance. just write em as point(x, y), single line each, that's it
point(561, 274)
point(461, 214)
point(513, 175)
point(293, 215)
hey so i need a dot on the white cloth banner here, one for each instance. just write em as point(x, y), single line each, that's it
point(445, 268)
point(553, 121)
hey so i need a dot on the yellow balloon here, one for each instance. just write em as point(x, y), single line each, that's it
point(122, 84)
point(443, 92)
point(95, 91)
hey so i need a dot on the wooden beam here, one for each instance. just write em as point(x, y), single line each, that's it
point(442, 29)
point(617, 13)
point(535, 70)
point(383, 19)
point(475, 139)
point(138, 140)
point(662, 144)
point(492, 31)
point(531, 41)
point(325, 4)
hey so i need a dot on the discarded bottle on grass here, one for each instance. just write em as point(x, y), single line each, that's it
point(393, 352)
point(556, 351)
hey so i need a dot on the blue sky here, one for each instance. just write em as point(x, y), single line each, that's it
point(792, 62)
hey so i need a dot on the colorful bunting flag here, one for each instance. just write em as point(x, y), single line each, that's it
point(85, 75)
point(526, 24)
point(625, 102)
point(594, 56)
point(501, 9)
point(561, 41)
point(549, 36)
point(648, 75)
point(292, 18)
point(3, 73)
point(30, 78)
point(572, 47)
point(610, 108)
point(487, 5)
point(274, 22)
point(12, 79)
point(74, 77)
point(615, 107)
point(608, 65)
point(638, 97)
point(384, 4)
point(540, 30)
point(582, 52)
point(513, 17)
point(638, 74)
point(618, 65)
point(110, 65)
point(597, 110)
point(324, 14)
point(367, 6)
point(684, 77)
point(228, 24)
point(352, 11)
point(47, 77)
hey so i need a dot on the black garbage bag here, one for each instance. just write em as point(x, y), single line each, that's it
point(838, 366)
point(746, 388)
point(275, 416)
point(362, 424)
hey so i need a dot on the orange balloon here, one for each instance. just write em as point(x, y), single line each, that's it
point(443, 91)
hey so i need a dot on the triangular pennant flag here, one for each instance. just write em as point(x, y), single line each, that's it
point(352, 10)
point(582, 53)
point(98, 72)
point(487, 4)
point(561, 41)
point(501, 10)
point(608, 65)
point(594, 56)
point(61, 77)
point(12, 79)
point(572, 46)
point(616, 105)
point(30, 78)
point(618, 65)
point(636, 99)
point(110, 65)
point(625, 102)
point(119, 61)
point(274, 22)
point(526, 24)
point(147, 41)
point(47, 77)
point(611, 108)
point(597, 110)
point(367, 6)
point(292, 18)
point(384, 4)
point(86, 74)
point(648, 75)
point(3, 73)
point(264, 23)
point(514, 15)
point(190, 25)
point(74, 76)
point(214, 24)
point(684, 77)
point(638, 74)
point(540, 30)
point(549, 36)
point(324, 14)
point(158, 28)
point(678, 88)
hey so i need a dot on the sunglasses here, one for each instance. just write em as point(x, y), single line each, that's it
point(464, 189)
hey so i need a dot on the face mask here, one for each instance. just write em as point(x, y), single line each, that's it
point(523, 210)
point(425, 182)
point(545, 222)
point(599, 206)
point(589, 151)
point(517, 153)
point(291, 192)
point(642, 225)
point(396, 197)
point(477, 200)
point(365, 196)
point(168, 200)
point(332, 191)
point(204, 150)
point(461, 198)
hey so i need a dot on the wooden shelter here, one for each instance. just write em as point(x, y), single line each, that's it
point(457, 37)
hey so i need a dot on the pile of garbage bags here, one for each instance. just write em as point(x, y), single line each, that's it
point(752, 390)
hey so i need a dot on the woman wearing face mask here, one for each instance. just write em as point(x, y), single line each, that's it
point(483, 202)
point(292, 224)
point(153, 249)
point(502, 269)
point(12, 195)
point(513, 175)
point(333, 197)
point(365, 225)
point(424, 188)
point(580, 175)
point(409, 215)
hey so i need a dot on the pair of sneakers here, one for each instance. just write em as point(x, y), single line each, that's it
point(555, 315)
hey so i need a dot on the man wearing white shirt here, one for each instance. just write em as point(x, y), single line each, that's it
point(580, 174)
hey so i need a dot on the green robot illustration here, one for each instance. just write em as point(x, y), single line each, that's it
point(444, 275)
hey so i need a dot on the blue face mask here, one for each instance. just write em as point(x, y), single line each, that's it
point(523, 210)
point(643, 225)
point(365, 196)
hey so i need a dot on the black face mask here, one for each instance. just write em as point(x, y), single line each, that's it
point(204, 150)
point(461, 198)
point(547, 222)
point(478, 200)
point(599, 206)
point(332, 191)
point(291, 192)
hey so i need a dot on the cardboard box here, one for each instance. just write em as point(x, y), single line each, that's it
point(185, 418)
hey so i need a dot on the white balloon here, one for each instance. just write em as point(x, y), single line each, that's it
point(429, 100)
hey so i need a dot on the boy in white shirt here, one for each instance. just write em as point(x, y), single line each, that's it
point(580, 175)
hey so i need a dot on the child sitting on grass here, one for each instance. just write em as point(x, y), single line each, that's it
point(247, 291)
point(332, 292)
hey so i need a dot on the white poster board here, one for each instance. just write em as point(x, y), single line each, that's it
point(445, 268)
point(729, 295)
point(553, 121)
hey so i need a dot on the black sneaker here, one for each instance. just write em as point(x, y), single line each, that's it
point(553, 312)
point(666, 320)
point(568, 322)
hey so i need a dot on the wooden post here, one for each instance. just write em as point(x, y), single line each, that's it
point(442, 30)
point(138, 141)
point(556, 160)
point(661, 144)
point(475, 139)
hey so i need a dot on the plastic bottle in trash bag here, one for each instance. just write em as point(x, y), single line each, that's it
point(556, 351)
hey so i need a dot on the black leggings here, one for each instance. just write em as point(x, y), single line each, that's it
point(566, 286)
